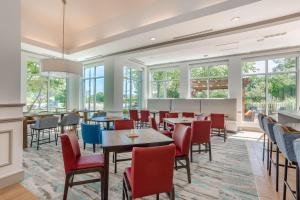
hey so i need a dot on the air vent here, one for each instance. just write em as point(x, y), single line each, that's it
point(275, 35)
point(193, 34)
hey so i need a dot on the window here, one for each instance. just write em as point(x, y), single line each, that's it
point(132, 88)
point(165, 83)
point(209, 81)
point(93, 87)
point(44, 93)
point(269, 86)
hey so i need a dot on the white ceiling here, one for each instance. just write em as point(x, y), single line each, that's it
point(104, 27)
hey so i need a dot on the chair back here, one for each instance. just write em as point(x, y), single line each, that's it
point(268, 125)
point(133, 114)
point(172, 115)
point(91, 133)
point(145, 114)
point(182, 138)
point(99, 114)
point(162, 115)
point(46, 122)
point(152, 170)
point(217, 120)
point(285, 140)
point(70, 150)
point(260, 117)
point(201, 132)
point(297, 150)
point(70, 119)
point(124, 124)
point(188, 114)
point(153, 124)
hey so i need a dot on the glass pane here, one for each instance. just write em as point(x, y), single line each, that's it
point(57, 94)
point(281, 93)
point(256, 67)
point(99, 93)
point(126, 93)
point(218, 88)
point(88, 72)
point(158, 75)
point(92, 94)
point(158, 89)
point(282, 65)
point(136, 94)
point(198, 73)
point(254, 96)
point(218, 71)
point(136, 74)
point(100, 71)
point(199, 88)
point(173, 74)
point(36, 88)
point(126, 72)
point(172, 88)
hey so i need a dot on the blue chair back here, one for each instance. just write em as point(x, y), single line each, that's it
point(260, 117)
point(285, 142)
point(268, 127)
point(91, 133)
point(297, 150)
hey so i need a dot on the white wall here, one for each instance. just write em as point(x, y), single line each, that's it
point(10, 84)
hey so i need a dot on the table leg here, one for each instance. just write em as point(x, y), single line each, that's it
point(165, 125)
point(24, 133)
point(105, 178)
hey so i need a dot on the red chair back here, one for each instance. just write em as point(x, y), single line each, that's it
point(217, 121)
point(133, 114)
point(162, 115)
point(182, 138)
point(153, 124)
point(201, 132)
point(70, 150)
point(188, 114)
point(145, 114)
point(172, 115)
point(124, 124)
point(152, 170)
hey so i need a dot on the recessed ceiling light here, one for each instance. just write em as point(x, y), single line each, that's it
point(234, 19)
point(153, 38)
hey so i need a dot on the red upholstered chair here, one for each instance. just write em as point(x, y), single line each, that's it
point(75, 163)
point(188, 114)
point(122, 125)
point(182, 140)
point(134, 115)
point(154, 126)
point(201, 135)
point(218, 123)
point(151, 172)
point(162, 115)
point(145, 114)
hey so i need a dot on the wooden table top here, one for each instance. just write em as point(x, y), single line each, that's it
point(119, 138)
point(106, 119)
point(181, 120)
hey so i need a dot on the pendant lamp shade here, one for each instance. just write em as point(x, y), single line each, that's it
point(61, 65)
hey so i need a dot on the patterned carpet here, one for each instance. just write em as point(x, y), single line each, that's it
point(227, 177)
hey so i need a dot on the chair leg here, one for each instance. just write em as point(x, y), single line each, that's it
point(188, 169)
point(268, 151)
point(123, 191)
point(277, 167)
point(191, 153)
point(176, 165)
point(199, 148)
point(297, 183)
point(264, 146)
point(116, 163)
point(67, 181)
point(270, 159)
point(38, 141)
point(84, 145)
point(94, 148)
point(225, 132)
point(172, 194)
point(157, 196)
point(285, 178)
point(32, 135)
point(210, 156)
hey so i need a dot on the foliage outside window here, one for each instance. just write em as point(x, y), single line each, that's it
point(269, 86)
point(209, 81)
point(44, 93)
point(165, 83)
point(132, 88)
point(93, 87)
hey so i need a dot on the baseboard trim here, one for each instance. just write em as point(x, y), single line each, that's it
point(11, 179)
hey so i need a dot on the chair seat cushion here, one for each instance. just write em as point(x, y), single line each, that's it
point(90, 161)
point(129, 176)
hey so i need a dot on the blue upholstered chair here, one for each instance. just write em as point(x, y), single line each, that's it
point(91, 134)
point(285, 142)
point(260, 117)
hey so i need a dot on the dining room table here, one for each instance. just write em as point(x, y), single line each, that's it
point(106, 120)
point(123, 141)
point(181, 120)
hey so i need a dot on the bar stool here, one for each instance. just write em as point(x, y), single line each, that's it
point(134, 115)
point(260, 116)
point(285, 138)
point(297, 153)
point(44, 125)
point(218, 123)
point(145, 114)
point(70, 121)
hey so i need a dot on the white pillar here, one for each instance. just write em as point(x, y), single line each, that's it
point(184, 81)
point(11, 135)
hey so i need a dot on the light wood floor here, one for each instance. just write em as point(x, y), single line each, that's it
point(16, 192)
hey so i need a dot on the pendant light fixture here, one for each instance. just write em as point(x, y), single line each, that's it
point(58, 66)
